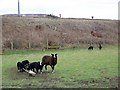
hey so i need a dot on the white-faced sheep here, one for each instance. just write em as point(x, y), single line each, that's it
point(49, 60)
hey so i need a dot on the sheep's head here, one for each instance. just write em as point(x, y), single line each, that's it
point(55, 56)
point(55, 59)
point(52, 55)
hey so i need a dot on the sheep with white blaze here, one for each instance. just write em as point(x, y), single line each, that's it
point(49, 60)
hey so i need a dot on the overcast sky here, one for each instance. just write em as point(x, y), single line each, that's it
point(100, 9)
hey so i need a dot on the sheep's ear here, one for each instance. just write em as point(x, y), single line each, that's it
point(52, 54)
point(56, 54)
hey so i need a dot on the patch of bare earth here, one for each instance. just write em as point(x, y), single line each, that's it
point(103, 83)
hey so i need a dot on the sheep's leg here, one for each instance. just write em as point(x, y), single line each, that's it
point(37, 70)
point(52, 68)
point(21, 70)
point(18, 68)
point(41, 68)
point(33, 70)
point(45, 67)
point(40, 71)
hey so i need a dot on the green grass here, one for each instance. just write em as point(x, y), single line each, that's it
point(76, 68)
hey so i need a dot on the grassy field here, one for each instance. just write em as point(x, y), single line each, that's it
point(76, 68)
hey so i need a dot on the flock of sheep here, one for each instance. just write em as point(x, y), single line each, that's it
point(34, 67)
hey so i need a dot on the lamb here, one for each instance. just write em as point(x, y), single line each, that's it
point(49, 60)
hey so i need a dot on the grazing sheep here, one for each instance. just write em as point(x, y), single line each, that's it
point(90, 48)
point(100, 46)
point(20, 66)
point(49, 60)
point(35, 65)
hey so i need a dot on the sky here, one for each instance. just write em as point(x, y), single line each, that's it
point(100, 9)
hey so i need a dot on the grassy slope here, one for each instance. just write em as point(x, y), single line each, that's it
point(75, 68)
point(22, 30)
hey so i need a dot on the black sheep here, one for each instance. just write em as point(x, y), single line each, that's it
point(20, 66)
point(90, 48)
point(100, 46)
point(35, 65)
point(25, 63)
point(49, 60)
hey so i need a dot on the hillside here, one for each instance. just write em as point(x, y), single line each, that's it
point(36, 32)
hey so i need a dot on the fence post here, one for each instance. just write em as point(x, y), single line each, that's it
point(11, 43)
point(47, 42)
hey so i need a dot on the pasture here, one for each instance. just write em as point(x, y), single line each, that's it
point(76, 68)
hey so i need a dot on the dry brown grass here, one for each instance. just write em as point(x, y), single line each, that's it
point(29, 32)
